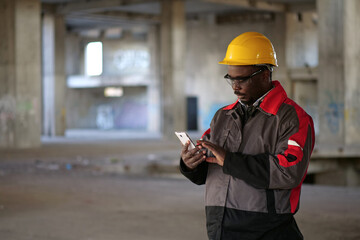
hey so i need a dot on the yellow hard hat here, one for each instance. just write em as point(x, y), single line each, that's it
point(250, 48)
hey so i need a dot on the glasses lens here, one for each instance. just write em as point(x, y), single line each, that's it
point(240, 80)
point(229, 81)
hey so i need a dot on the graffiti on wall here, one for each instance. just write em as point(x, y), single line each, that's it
point(105, 117)
point(7, 112)
point(334, 114)
point(128, 115)
point(132, 60)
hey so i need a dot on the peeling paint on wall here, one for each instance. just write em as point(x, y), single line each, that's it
point(352, 115)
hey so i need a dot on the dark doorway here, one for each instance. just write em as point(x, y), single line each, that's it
point(192, 110)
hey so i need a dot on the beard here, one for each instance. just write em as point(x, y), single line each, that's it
point(246, 102)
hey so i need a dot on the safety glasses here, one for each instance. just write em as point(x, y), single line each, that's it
point(240, 80)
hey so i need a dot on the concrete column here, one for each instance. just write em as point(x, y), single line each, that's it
point(339, 73)
point(279, 41)
point(352, 71)
point(154, 87)
point(331, 81)
point(48, 75)
point(20, 73)
point(173, 47)
point(339, 81)
point(54, 80)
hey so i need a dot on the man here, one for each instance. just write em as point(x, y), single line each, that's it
point(257, 151)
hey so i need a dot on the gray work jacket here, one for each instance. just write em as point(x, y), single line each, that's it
point(257, 191)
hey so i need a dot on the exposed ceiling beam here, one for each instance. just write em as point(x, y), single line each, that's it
point(96, 5)
point(78, 25)
point(136, 17)
point(105, 21)
point(48, 8)
point(252, 4)
point(302, 7)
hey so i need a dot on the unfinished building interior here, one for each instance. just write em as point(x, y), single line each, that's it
point(83, 82)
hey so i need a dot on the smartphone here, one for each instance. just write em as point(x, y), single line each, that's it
point(184, 137)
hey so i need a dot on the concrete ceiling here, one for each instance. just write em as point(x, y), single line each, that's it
point(100, 14)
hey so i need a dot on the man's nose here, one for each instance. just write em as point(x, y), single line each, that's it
point(236, 85)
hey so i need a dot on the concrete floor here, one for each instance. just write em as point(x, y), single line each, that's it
point(66, 190)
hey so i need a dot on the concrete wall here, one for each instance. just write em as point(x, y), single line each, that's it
point(88, 108)
point(302, 59)
point(127, 57)
point(74, 52)
point(302, 40)
point(331, 82)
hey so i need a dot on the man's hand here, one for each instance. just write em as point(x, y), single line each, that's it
point(218, 152)
point(192, 158)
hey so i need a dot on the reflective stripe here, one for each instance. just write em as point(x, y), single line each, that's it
point(293, 143)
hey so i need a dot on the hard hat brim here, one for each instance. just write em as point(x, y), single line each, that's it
point(237, 63)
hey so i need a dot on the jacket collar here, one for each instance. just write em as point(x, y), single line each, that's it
point(274, 99)
point(271, 102)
